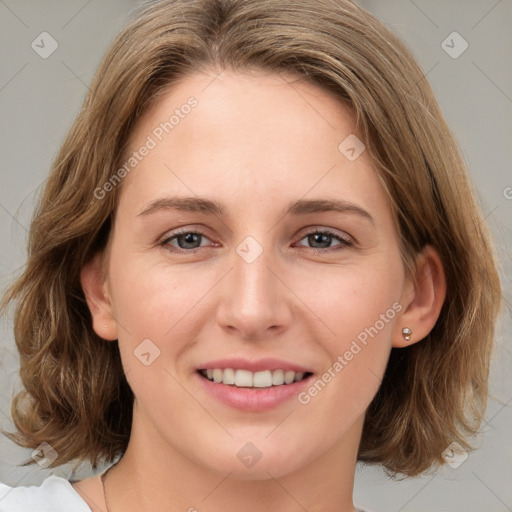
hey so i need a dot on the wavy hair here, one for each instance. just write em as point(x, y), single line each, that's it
point(76, 396)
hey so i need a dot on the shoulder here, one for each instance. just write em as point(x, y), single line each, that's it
point(55, 494)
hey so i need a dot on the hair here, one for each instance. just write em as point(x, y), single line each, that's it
point(76, 396)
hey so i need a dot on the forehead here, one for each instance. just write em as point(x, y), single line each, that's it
point(246, 137)
point(250, 108)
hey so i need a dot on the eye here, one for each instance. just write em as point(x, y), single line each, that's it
point(190, 241)
point(186, 241)
point(324, 238)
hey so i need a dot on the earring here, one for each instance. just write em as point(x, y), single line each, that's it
point(406, 333)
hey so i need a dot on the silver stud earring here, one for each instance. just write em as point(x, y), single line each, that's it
point(406, 333)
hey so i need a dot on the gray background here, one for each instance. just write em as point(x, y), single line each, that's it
point(40, 97)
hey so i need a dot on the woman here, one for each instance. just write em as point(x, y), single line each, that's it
point(176, 312)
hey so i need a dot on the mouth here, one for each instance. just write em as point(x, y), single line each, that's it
point(255, 392)
point(241, 378)
point(255, 385)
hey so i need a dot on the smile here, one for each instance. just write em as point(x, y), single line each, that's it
point(247, 379)
point(253, 391)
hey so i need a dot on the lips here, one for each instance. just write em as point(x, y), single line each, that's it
point(253, 386)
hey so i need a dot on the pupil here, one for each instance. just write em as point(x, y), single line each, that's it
point(317, 238)
point(190, 238)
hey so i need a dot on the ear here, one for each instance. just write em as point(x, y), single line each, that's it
point(95, 287)
point(422, 300)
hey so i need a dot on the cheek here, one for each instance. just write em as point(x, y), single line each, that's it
point(153, 308)
point(360, 309)
point(354, 302)
point(154, 323)
point(150, 299)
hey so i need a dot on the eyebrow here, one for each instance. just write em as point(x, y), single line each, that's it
point(211, 207)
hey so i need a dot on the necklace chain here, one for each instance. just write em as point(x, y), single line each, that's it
point(103, 478)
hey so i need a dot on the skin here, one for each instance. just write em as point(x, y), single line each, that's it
point(255, 142)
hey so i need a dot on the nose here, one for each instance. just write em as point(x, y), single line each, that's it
point(255, 302)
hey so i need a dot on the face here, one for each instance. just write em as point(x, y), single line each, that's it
point(250, 247)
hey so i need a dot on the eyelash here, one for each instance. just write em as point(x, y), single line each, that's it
point(345, 242)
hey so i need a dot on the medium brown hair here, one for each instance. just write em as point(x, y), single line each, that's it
point(434, 392)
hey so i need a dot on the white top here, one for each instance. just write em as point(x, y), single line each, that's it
point(55, 494)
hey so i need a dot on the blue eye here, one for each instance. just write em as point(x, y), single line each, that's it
point(185, 240)
point(325, 237)
point(190, 241)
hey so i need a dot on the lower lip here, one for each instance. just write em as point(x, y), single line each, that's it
point(253, 399)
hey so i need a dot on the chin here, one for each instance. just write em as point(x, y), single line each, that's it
point(256, 457)
point(267, 469)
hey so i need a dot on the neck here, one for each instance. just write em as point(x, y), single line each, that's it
point(155, 476)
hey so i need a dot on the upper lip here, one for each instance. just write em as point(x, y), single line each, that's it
point(267, 363)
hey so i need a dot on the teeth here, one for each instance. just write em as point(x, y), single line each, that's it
point(247, 379)
point(229, 376)
point(243, 378)
point(262, 379)
point(288, 377)
point(278, 377)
